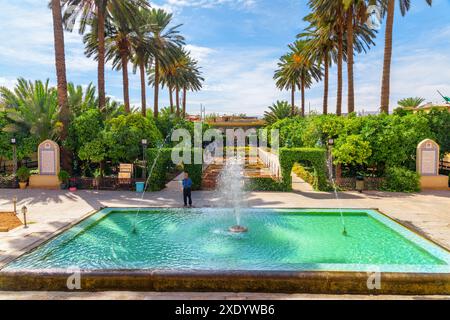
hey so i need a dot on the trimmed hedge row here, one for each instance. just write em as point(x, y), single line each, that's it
point(263, 184)
point(160, 163)
point(315, 156)
point(288, 158)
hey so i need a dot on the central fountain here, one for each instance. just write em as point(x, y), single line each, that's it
point(231, 189)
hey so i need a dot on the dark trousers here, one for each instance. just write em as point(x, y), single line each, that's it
point(186, 196)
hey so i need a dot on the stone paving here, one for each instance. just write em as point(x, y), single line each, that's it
point(128, 295)
point(50, 212)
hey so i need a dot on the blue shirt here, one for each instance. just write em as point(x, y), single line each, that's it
point(187, 183)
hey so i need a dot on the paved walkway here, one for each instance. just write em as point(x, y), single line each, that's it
point(53, 211)
point(130, 295)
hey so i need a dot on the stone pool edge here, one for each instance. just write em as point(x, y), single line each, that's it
point(317, 282)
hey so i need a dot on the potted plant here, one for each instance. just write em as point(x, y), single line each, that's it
point(64, 177)
point(97, 178)
point(23, 174)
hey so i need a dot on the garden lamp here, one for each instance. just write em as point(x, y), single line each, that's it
point(24, 212)
point(15, 204)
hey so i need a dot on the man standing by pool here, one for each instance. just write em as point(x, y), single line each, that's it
point(187, 188)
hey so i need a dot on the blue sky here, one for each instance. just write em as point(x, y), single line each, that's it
point(238, 43)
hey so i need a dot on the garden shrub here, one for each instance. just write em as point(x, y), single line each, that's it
point(163, 165)
point(263, 184)
point(400, 179)
point(159, 163)
point(23, 174)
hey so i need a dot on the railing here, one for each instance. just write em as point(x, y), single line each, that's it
point(271, 161)
point(8, 167)
point(370, 183)
point(105, 183)
point(444, 165)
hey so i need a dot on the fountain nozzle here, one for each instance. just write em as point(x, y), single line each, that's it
point(344, 232)
point(238, 229)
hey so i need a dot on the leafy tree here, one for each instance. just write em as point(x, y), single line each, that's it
point(352, 150)
point(439, 124)
point(125, 133)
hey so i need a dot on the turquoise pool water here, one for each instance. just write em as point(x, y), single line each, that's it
point(198, 239)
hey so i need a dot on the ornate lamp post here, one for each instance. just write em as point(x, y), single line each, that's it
point(13, 144)
point(144, 158)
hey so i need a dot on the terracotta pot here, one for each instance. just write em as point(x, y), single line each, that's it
point(22, 185)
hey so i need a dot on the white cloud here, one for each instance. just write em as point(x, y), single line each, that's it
point(8, 83)
point(210, 3)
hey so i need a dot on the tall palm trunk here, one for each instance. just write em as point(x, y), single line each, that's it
point(171, 99)
point(60, 63)
point(385, 86)
point(351, 89)
point(155, 106)
point(339, 67)
point(293, 100)
point(325, 84)
point(101, 55)
point(143, 90)
point(303, 98)
point(177, 99)
point(126, 94)
point(184, 101)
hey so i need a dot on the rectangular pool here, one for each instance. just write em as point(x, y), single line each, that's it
point(277, 240)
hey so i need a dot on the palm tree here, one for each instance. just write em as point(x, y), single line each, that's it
point(193, 81)
point(330, 22)
point(279, 110)
point(142, 55)
point(32, 109)
point(297, 69)
point(412, 102)
point(164, 42)
point(359, 38)
point(86, 10)
point(60, 63)
point(119, 35)
point(322, 47)
point(81, 100)
point(334, 14)
point(385, 86)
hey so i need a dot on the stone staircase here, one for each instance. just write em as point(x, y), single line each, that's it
point(211, 176)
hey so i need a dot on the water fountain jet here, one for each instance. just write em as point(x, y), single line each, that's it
point(231, 185)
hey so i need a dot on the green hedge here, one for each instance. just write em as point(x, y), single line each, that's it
point(304, 174)
point(400, 179)
point(317, 158)
point(163, 165)
point(263, 184)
